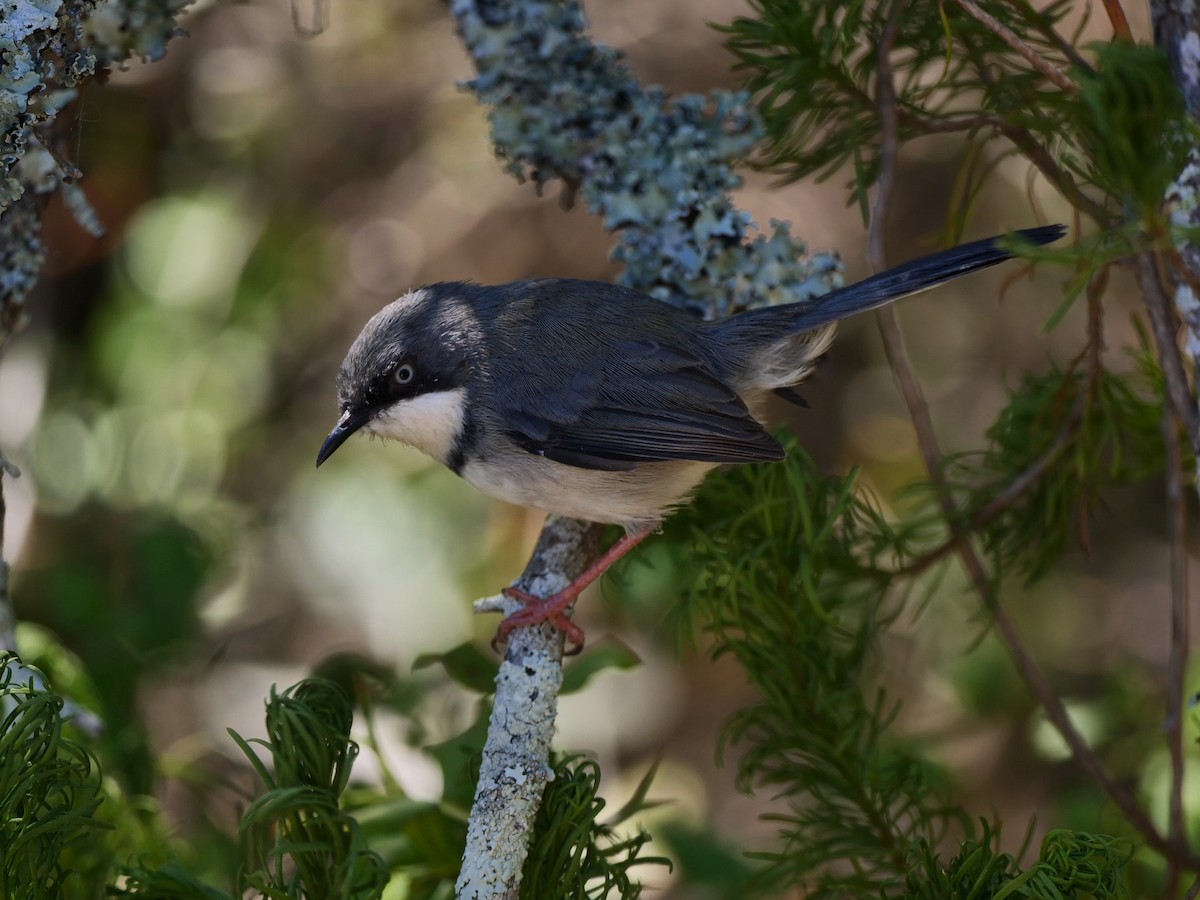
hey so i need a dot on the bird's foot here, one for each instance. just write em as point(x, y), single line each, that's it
point(551, 610)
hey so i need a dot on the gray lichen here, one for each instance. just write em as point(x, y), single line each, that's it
point(47, 48)
point(658, 170)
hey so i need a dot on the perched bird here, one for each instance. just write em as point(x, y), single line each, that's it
point(593, 401)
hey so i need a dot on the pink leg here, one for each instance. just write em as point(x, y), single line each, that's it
point(551, 609)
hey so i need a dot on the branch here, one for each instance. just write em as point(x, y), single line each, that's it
point(8, 619)
point(918, 408)
point(1028, 668)
point(1118, 20)
point(1006, 34)
point(515, 765)
point(563, 107)
point(1178, 660)
point(1177, 33)
point(1162, 323)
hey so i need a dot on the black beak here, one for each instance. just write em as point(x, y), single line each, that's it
point(349, 423)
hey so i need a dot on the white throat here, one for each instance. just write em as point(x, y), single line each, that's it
point(430, 422)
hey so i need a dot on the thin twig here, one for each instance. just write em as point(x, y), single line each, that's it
point(1084, 757)
point(1043, 160)
point(1006, 34)
point(1032, 474)
point(1162, 323)
point(889, 128)
point(1177, 662)
point(1013, 491)
point(918, 408)
point(1065, 47)
point(930, 125)
point(8, 618)
point(1028, 668)
point(1120, 24)
point(1034, 679)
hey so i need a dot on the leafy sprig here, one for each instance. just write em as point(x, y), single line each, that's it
point(50, 787)
point(572, 852)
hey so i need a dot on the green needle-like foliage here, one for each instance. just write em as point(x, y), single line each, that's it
point(1133, 124)
point(1111, 148)
point(814, 66)
point(575, 856)
point(1072, 866)
point(304, 845)
point(1076, 436)
point(50, 788)
point(791, 575)
point(299, 842)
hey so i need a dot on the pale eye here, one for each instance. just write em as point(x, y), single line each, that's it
point(404, 374)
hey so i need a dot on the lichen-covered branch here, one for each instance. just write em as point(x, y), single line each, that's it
point(47, 49)
point(659, 171)
point(515, 766)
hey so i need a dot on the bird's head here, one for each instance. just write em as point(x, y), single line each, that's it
point(405, 376)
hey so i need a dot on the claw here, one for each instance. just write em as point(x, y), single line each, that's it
point(553, 609)
point(550, 610)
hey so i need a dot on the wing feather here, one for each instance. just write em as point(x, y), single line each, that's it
point(664, 403)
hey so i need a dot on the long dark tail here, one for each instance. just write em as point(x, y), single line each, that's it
point(910, 278)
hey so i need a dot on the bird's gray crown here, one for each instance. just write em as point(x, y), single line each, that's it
point(433, 329)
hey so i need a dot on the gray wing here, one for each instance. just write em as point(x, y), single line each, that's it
point(647, 403)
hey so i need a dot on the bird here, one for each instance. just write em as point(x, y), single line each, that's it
point(594, 401)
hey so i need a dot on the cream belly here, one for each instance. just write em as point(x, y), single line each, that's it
point(433, 422)
point(640, 497)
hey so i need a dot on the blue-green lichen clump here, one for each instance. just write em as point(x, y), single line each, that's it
point(47, 48)
point(658, 170)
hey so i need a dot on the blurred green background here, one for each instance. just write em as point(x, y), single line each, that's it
point(265, 194)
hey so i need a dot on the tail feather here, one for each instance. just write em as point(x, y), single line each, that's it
point(909, 278)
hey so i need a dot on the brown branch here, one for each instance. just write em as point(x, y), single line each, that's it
point(1006, 34)
point(1034, 679)
point(1120, 24)
point(1065, 47)
point(1178, 660)
point(8, 617)
point(1162, 323)
point(918, 408)
point(1042, 159)
point(1032, 474)
point(1045, 163)
point(889, 135)
point(1026, 666)
point(1024, 481)
point(929, 125)
point(1085, 758)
